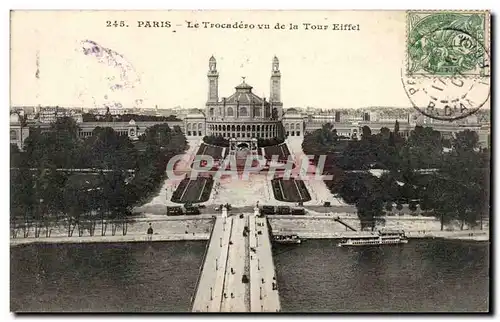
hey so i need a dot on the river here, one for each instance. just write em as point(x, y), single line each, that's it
point(125, 277)
point(316, 276)
point(421, 276)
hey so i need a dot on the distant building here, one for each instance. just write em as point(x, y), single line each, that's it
point(293, 123)
point(51, 114)
point(47, 115)
point(352, 126)
point(106, 110)
point(18, 131)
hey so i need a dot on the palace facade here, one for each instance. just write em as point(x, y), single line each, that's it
point(243, 115)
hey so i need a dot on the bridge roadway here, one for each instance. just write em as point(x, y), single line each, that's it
point(209, 294)
point(232, 254)
point(264, 289)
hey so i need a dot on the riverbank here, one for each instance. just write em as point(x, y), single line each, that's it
point(477, 236)
point(108, 239)
point(326, 227)
point(184, 228)
point(451, 235)
point(165, 229)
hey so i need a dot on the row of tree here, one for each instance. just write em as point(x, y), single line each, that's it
point(451, 185)
point(217, 140)
point(41, 193)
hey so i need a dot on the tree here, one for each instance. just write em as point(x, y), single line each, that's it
point(465, 177)
point(151, 164)
point(396, 127)
point(370, 211)
point(105, 149)
point(34, 147)
point(459, 190)
point(118, 202)
point(15, 156)
point(465, 141)
point(50, 192)
point(358, 155)
point(366, 192)
point(390, 187)
point(41, 196)
point(321, 141)
point(383, 150)
point(216, 140)
point(261, 142)
point(41, 189)
point(366, 133)
point(72, 208)
point(80, 203)
point(412, 206)
point(158, 134)
point(423, 150)
point(59, 146)
point(22, 199)
point(385, 133)
point(456, 186)
point(108, 117)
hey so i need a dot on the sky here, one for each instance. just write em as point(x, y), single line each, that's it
point(168, 67)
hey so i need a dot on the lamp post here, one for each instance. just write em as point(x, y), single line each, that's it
point(40, 215)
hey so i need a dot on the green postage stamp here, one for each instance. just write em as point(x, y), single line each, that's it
point(447, 43)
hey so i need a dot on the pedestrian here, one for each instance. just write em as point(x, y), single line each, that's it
point(150, 232)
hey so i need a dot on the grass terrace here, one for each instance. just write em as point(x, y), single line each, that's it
point(290, 190)
point(193, 191)
point(211, 150)
point(281, 150)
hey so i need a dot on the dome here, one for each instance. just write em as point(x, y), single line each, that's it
point(292, 111)
point(195, 113)
point(244, 86)
point(195, 116)
point(132, 122)
point(14, 118)
point(244, 96)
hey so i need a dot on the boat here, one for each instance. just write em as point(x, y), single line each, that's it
point(287, 239)
point(384, 237)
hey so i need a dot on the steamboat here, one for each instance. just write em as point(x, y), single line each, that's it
point(287, 239)
point(384, 237)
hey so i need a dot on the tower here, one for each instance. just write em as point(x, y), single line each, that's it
point(275, 81)
point(213, 81)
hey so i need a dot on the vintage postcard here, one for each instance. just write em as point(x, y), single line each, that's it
point(250, 161)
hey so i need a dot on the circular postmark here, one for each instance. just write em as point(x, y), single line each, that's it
point(448, 74)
